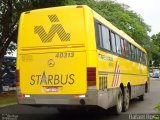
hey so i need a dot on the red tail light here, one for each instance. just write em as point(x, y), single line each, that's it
point(17, 77)
point(91, 76)
point(21, 96)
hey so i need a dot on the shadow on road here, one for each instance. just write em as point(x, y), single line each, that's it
point(94, 114)
point(52, 114)
point(81, 115)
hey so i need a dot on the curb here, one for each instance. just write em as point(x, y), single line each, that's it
point(1, 106)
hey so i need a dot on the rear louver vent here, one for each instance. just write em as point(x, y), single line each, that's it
point(102, 83)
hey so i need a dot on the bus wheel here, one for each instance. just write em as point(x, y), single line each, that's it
point(141, 97)
point(126, 99)
point(118, 107)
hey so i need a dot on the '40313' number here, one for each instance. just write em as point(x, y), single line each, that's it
point(65, 55)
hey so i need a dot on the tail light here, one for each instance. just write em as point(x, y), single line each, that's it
point(21, 96)
point(17, 77)
point(91, 76)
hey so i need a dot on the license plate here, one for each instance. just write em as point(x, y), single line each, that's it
point(52, 89)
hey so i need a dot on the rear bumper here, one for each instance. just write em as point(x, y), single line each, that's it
point(89, 99)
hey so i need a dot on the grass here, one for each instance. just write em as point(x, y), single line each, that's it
point(8, 97)
point(157, 108)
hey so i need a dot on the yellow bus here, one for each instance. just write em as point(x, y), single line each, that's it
point(71, 56)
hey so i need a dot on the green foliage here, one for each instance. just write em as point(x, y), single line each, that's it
point(155, 49)
point(8, 98)
point(10, 11)
point(157, 108)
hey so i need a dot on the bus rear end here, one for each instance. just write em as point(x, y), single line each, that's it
point(52, 57)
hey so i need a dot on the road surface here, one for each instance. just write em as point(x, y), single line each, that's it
point(22, 112)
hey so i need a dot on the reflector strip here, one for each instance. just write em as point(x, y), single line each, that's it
point(116, 75)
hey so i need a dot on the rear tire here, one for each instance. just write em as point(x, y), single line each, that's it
point(118, 108)
point(141, 97)
point(146, 88)
point(126, 100)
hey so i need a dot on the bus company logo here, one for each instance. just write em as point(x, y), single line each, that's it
point(51, 63)
point(55, 28)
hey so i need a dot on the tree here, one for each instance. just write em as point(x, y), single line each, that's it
point(9, 15)
point(155, 49)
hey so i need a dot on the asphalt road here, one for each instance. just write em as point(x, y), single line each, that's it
point(142, 108)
